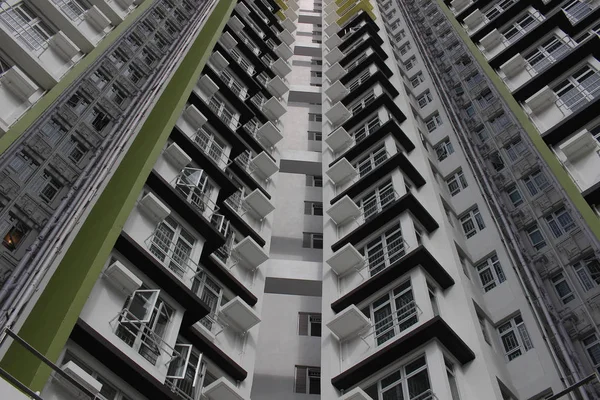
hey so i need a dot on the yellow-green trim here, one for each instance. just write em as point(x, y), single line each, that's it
point(38, 108)
point(49, 324)
point(281, 4)
point(363, 5)
point(281, 15)
point(555, 166)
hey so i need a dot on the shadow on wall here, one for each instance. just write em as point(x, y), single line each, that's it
point(291, 249)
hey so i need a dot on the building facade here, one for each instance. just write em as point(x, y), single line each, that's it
point(270, 199)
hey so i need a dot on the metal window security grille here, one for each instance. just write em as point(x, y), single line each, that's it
point(371, 160)
point(172, 245)
point(309, 324)
point(27, 27)
point(592, 348)
point(490, 273)
point(383, 251)
point(579, 88)
point(515, 338)
point(547, 53)
point(588, 273)
point(409, 382)
point(66, 138)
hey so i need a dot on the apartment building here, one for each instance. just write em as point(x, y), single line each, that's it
point(270, 199)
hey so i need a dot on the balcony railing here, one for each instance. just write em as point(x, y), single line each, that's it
point(578, 10)
point(394, 324)
point(361, 134)
point(579, 95)
point(210, 147)
point(541, 61)
point(28, 32)
point(192, 184)
point(223, 113)
point(236, 203)
point(139, 335)
point(71, 9)
point(380, 260)
point(369, 164)
point(239, 90)
point(237, 57)
point(172, 255)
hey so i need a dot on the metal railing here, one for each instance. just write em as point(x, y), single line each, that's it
point(355, 108)
point(239, 90)
point(579, 95)
point(382, 259)
point(71, 9)
point(578, 10)
point(236, 203)
point(376, 204)
point(394, 324)
point(248, 42)
point(172, 257)
point(547, 59)
point(189, 184)
point(369, 164)
point(142, 338)
point(237, 57)
point(28, 32)
point(223, 113)
point(210, 147)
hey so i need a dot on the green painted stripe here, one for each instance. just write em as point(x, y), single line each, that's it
point(547, 155)
point(49, 324)
point(38, 108)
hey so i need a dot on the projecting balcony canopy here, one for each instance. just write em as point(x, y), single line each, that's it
point(335, 72)
point(399, 267)
point(337, 114)
point(281, 68)
point(284, 51)
point(337, 140)
point(336, 92)
point(341, 172)
point(334, 56)
point(349, 322)
point(277, 87)
point(362, 47)
point(218, 60)
point(434, 329)
point(291, 14)
point(344, 210)
point(259, 204)
point(222, 389)
point(270, 133)
point(345, 260)
point(407, 202)
point(265, 166)
point(332, 29)
point(250, 254)
point(287, 37)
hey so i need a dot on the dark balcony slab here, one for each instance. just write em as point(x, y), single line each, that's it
point(408, 202)
point(214, 354)
point(248, 179)
point(369, 43)
point(119, 363)
point(240, 225)
point(417, 257)
point(572, 123)
point(434, 329)
point(195, 308)
point(592, 194)
point(178, 203)
point(368, 28)
point(373, 58)
point(383, 100)
point(377, 77)
point(398, 160)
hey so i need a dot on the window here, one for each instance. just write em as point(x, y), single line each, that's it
point(377, 200)
point(143, 322)
point(499, 122)
point(172, 245)
point(117, 58)
point(592, 347)
point(515, 149)
point(536, 237)
point(312, 240)
point(314, 181)
point(424, 99)
point(108, 391)
point(410, 63)
point(405, 48)
point(313, 117)
point(313, 208)
point(134, 74)
point(76, 151)
point(118, 95)
point(53, 131)
point(100, 78)
point(536, 182)
point(210, 292)
point(514, 195)
point(433, 122)
point(472, 222)
point(316, 74)
point(16, 230)
point(490, 273)
point(560, 222)
point(497, 161)
point(579, 88)
point(78, 103)
point(49, 187)
point(546, 53)
point(456, 182)
point(26, 26)
point(308, 380)
point(409, 382)
point(314, 61)
point(514, 337)
point(309, 324)
point(519, 27)
point(588, 272)
point(149, 57)
point(23, 166)
point(371, 160)
point(384, 250)
point(417, 79)
point(444, 149)
point(314, 135)
point(563, 290)
point(98, 119)
point(393, 313)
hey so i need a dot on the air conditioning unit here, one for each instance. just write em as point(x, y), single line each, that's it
point(121, 277)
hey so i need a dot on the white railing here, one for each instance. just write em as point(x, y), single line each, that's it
point(223, 113)
point(368, 165)
point(545, 60)
point(237, 57)
point(361, 134)
point(239, 90)
point(578, 10)
point(376, 204)
point(189, 184)
point(395, 323)
point(363, 103)
point(166, 251)
point(237, 204)
point(385, 257)
point(210, 147)
point(579, 95)
point(27, 32)
point(142, 338)
point(71, 9)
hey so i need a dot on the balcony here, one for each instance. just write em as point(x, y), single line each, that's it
point(191, 185)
